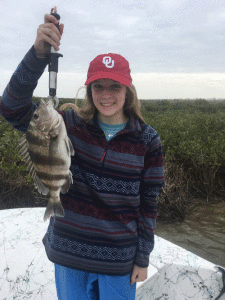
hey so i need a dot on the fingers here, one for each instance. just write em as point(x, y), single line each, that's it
point(140, 277)
point(50, 19)
point(133, 278)
point(61, 26)
point(138, 274)
point(47, 36)
point(137, 278)
point(134, 275)
point(50, 34)
point(52, 27)
point(54, 10)
point(52, 31)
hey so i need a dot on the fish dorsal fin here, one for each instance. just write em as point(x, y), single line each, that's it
point(42, 102)
point(24, 152)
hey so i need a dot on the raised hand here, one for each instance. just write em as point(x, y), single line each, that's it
point(48, 35)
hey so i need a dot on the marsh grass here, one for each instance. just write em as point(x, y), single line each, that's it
point(193, 140)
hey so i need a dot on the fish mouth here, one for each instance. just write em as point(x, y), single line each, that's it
point(44, 122)
point(42, 126)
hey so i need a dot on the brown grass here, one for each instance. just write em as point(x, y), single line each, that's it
point(185, 188)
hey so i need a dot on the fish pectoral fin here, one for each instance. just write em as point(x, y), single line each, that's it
point(72, 152)
point(69, 147)
point(65, 188)
point(42, 189)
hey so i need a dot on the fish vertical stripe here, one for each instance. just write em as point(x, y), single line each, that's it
point(44, 160)
point(53, 177)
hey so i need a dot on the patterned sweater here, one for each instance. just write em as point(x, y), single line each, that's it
point(111, 208)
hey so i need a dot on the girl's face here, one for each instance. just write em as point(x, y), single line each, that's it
point(109, 98)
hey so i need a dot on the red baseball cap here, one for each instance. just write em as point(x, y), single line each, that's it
point(112, 66)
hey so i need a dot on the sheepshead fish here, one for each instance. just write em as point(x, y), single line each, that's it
point(47, 151)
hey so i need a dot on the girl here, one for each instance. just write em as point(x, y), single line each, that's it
point(101, 247)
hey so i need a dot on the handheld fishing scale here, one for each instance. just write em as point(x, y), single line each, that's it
point(53, 65)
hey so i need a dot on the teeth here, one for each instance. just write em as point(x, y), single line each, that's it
point(107, 104)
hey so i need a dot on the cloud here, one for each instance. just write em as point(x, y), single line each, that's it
point(176, 86)
point(149, 85)
point(165, 4)
point(167, 36)
point(126, 21)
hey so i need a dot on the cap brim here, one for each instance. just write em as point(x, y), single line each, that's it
point(108, 75)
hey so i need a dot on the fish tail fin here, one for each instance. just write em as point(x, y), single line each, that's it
point(54, 208)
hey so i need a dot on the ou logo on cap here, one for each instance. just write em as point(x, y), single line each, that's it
point(108, 62)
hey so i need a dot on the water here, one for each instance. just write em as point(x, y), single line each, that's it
point(202, 232)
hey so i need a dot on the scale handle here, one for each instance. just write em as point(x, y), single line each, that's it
point(53, 63)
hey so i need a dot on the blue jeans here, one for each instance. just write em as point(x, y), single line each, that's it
point(78, 285)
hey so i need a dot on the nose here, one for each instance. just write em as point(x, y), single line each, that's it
point(106, 94)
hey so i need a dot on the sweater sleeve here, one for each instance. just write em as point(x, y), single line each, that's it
point(152, 181)
point(16, 103)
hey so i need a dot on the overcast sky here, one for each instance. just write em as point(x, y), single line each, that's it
point(176, 48)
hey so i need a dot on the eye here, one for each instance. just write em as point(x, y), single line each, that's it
point(98, 87)
point(36, 116)
point(115, 87)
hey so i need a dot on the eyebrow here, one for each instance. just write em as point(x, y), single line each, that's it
point(99, 82)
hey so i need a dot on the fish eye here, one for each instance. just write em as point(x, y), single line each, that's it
point(36, 116)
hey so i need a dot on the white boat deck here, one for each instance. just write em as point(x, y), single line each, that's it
point(177, 274)
point(26, 272)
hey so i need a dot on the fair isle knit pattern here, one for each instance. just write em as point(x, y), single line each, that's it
point(111, 208)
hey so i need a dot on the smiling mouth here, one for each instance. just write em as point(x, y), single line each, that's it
point(108, 104)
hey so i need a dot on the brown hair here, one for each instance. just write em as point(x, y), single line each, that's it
point(131, 107)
